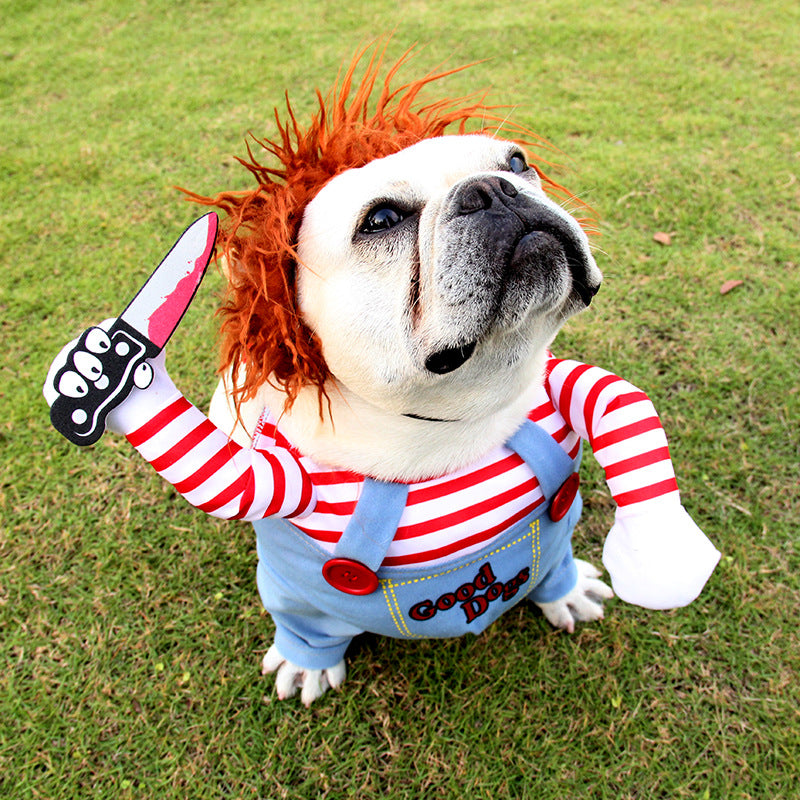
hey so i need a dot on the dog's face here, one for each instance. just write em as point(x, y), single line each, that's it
point(436, 277)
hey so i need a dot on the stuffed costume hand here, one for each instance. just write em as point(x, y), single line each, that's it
point(138, 407)
point(659, 559)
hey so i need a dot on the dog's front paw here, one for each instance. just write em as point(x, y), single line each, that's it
point(583, 604)
point(313, 683)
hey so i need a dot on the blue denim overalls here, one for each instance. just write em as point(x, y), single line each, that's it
point(315, 621)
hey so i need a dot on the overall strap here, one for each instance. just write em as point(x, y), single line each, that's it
point(374, 523)
point(540, 451)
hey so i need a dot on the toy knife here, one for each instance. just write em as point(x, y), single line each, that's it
point(104, 366)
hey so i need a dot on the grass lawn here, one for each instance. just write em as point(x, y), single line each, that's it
point(130, 627)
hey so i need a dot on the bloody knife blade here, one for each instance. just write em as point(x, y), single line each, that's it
point(104, 366)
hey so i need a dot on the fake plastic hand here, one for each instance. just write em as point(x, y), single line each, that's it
point(659, 559)
point(157, 389)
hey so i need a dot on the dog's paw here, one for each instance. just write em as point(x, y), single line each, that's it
point(583, 604)
point(312, 683)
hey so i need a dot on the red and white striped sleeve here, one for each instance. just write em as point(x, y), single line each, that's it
point(217, 475)
point(623, 428)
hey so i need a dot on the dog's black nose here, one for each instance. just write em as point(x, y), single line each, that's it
point(479, 195)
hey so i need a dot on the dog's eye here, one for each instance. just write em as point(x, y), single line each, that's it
point(518, 164)
point(381, 218)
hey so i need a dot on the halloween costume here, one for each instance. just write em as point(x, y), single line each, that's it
point(445, 517)
point(340, 553)
point(318, 611)
point(447, 552)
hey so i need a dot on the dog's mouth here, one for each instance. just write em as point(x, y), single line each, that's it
point(449, 359)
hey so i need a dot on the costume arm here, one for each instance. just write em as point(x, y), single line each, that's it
point(210, 470)
point(656, 555)
point(622, 426)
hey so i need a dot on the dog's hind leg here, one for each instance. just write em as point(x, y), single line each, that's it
point(290, 677)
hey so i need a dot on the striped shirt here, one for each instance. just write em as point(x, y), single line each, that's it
point(445, 517)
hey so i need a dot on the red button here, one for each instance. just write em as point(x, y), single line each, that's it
point(350, 577)
point(562, 499)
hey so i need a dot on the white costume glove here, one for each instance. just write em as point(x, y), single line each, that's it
point(659, 558)
point(142, 404)
point(138, 407)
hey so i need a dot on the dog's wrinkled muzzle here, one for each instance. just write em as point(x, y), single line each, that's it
point(504, 252)
point(539, 232)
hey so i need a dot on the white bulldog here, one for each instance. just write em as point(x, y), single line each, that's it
point(434, 279)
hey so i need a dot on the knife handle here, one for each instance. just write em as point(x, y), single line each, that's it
point(100, 372)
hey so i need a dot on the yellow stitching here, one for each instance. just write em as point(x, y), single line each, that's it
point(404, 628)
point(399, 610)
point(394, 605)
point(384, 584)
point(536, 552)
point(535, 524)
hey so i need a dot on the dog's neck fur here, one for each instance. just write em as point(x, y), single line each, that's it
point(355, 435)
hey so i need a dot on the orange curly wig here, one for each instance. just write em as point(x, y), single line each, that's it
point(263, 335)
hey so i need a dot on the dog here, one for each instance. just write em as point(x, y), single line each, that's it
point(391, 417)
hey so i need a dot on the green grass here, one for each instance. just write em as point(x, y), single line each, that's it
point(130, 626)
